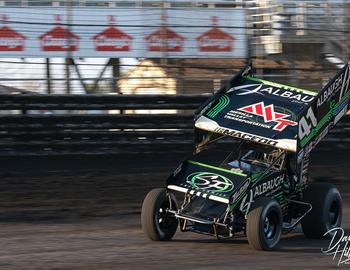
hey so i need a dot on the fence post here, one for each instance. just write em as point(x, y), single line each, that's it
point(48, 76)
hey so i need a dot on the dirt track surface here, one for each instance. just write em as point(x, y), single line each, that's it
point(90, 220)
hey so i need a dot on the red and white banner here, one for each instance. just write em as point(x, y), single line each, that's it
point(10, 39)
point(104, 32)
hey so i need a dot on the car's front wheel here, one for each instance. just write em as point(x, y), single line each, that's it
point(157, 223)
point(264, 224)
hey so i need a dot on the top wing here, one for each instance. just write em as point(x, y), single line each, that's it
point(278, 115)
point(256, 110)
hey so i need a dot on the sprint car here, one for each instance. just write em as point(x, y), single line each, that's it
point(248, 172)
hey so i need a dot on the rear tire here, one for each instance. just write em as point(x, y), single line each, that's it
point(156, 223)
point(326, 210)
point(264, 224)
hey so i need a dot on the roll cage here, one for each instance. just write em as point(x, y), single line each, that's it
point(247, 154)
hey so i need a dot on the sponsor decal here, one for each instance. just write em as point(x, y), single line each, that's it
point(341, 83)
point(112, 39)
point(245, 118)
point(211, 182)
point(263, 89)
point(165, 40)
point(245, 136)
point(341, 111)
point(317, 139)
point(177, 170)
point(164, 35)
point(10, 39)
point(264, 188)
point(240, 191)
point(340, 115)
point(215, 40)
point(222, 103)
point(59, 39)
point(269, 115)
point(268, 186)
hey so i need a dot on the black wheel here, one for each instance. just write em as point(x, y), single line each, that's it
point(157, 224)
point(326, 210)
point(264, 224)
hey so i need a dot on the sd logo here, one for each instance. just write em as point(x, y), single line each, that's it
point(210, 182)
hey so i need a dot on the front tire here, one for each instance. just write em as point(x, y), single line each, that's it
point(264, 224)
point(156, 223)
point(326, 210)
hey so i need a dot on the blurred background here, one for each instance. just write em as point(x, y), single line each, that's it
point(83, 76)
point(167, 47)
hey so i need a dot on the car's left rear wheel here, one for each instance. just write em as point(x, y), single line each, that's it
point(157, 223)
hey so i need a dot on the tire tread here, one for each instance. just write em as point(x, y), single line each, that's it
point(151, 202)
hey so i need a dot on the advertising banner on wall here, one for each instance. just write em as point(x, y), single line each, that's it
point(122, 32)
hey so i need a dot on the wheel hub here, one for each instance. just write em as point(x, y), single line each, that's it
point(333, 213)
point(270, 227)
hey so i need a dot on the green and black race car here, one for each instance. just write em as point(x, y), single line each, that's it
point(248, 173)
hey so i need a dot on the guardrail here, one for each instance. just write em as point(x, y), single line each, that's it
point(70, 124)
point(100, 102)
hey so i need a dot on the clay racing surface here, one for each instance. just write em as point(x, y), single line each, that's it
point(84, 214)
